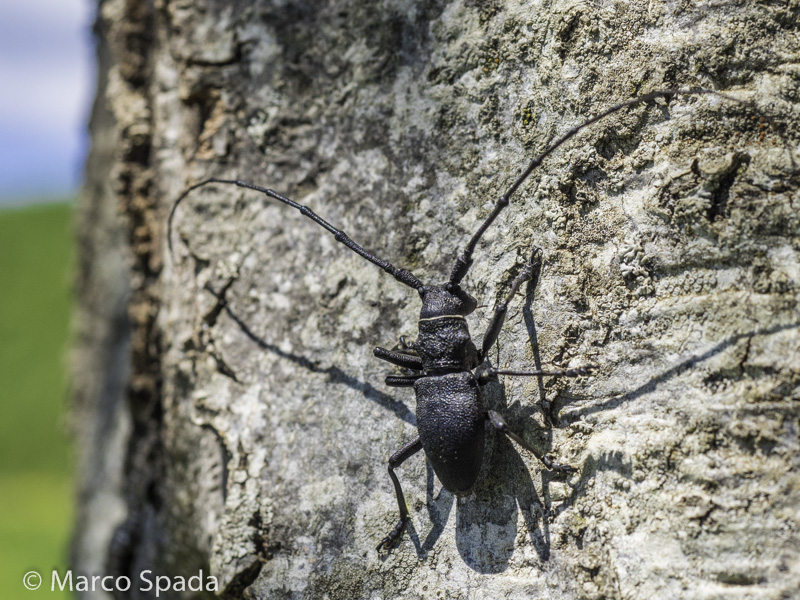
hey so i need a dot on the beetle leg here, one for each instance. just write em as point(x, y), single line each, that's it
point(501, 310)
point(490, 374)
point(500, 424)
point(408, 361)
point(396, 460)
point(408, 345)
point(402, 380)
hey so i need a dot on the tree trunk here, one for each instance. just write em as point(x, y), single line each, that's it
point(256, 428)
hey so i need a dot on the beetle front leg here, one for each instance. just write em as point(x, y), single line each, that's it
point(397, 459)
point(407, 361)
point(500, 424)
point(408, 345)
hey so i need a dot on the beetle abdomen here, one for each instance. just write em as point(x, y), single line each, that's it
point(451, 421)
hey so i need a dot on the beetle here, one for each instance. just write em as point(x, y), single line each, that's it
point(447, 369)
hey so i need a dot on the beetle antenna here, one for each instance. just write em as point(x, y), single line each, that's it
point(464, 260)
point(402, 275)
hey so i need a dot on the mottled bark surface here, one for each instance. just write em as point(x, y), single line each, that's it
point(260, 426)
point(100, 358)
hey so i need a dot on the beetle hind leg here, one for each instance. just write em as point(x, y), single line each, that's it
point(500, 424)
point(396, 460)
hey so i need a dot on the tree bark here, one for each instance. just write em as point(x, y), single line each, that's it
point(257, 427)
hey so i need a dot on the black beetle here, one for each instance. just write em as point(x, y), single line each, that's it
point(448, 370)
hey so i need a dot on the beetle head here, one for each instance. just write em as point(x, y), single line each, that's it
point(442, 300)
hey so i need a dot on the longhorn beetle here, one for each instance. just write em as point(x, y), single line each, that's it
point(448, 369)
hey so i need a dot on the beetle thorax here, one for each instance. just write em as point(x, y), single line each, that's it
point(444, 343)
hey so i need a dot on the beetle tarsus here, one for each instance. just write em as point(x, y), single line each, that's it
point(390, 540)
point(558, 467)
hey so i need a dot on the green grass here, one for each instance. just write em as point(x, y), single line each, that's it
point(36, 250)
point(35, 255)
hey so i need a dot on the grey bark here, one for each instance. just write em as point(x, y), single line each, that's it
point(100, 357)
point(258, 426)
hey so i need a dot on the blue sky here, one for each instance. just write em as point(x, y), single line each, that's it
point(47, 75)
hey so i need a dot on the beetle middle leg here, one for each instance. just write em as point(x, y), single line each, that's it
point(397, 459)
point(499, 423)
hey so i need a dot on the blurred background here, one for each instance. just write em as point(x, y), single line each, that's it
point(47, 75)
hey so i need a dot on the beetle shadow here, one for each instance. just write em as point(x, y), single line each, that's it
point(533, 339)
point(653, 382)
point(334, 373)
point(487, 519)
point(506, 489)
point(438, 507)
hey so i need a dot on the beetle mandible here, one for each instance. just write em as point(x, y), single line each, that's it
point(448, 369)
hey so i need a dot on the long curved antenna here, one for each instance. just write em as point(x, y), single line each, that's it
point(402, 275)
point(464, 260)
